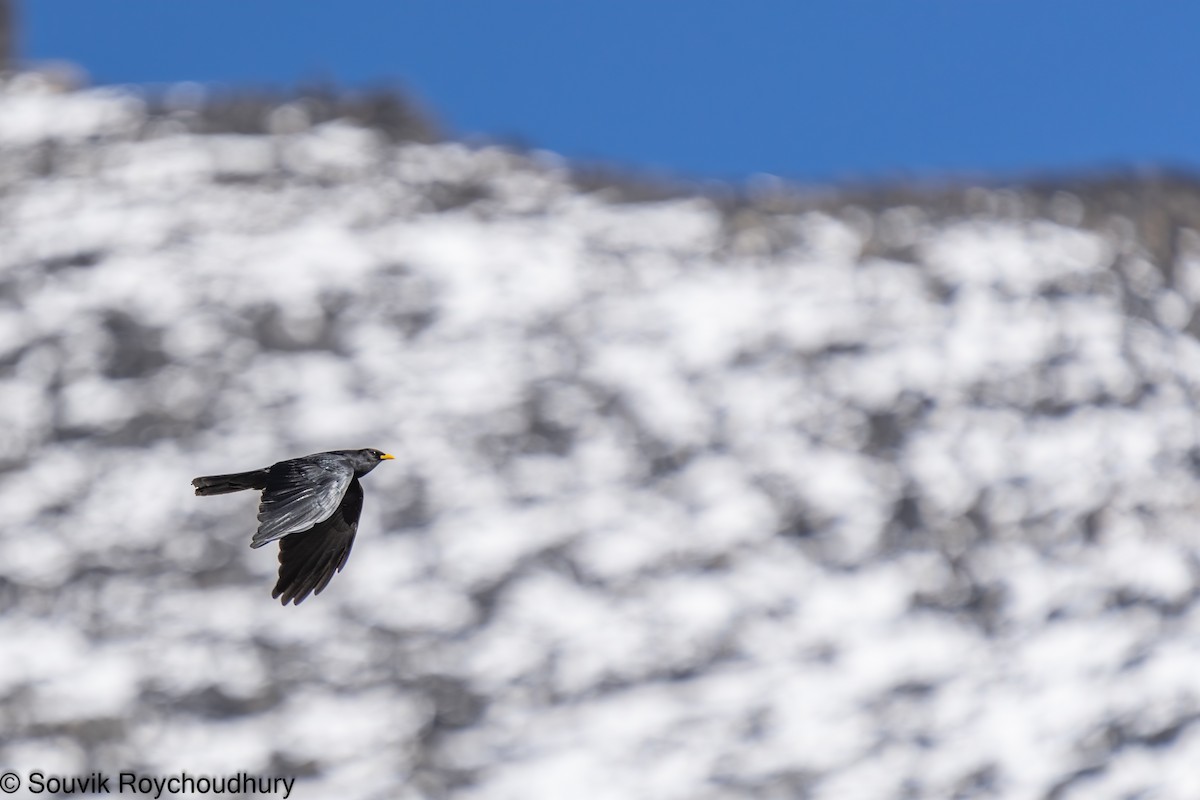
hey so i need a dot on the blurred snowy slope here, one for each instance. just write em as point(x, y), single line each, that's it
point(690, 502)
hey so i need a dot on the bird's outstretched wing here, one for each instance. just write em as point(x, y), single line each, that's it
point(299, 494)
point(308, 560)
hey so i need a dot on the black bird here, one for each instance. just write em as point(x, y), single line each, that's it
point(311, 505)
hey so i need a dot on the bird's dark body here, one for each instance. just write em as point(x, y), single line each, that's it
point(312, 506)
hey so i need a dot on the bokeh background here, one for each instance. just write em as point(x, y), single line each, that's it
point(751, 489)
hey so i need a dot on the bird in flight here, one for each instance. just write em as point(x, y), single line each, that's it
point(311, 505)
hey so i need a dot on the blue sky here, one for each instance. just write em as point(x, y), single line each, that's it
point(807, 89)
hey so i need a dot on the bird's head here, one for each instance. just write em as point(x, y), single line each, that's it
point(366, 460)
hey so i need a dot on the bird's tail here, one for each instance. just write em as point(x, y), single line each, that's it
point(224, 484)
